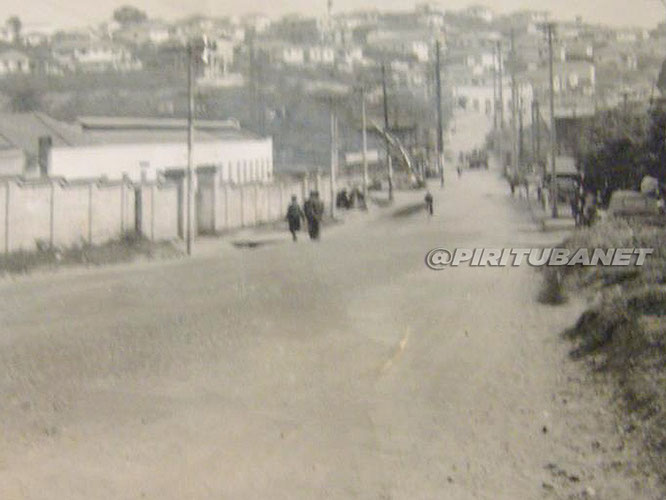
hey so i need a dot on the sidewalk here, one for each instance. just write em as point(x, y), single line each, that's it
point(274, 232)
point(544, 219)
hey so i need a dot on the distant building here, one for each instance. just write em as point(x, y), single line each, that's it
point(479, 93)
point(479, 12)
point(7, 34)
point(616, 56)
point(402, 43)
point(14, 62)
point(259, 23)
point(146, 33)
point(321, 55)
point(93, 56)
point(631, 35)
point(300, 30)
point(219, 58)
point(282, 52)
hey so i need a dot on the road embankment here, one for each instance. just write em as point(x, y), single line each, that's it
point(621, 336)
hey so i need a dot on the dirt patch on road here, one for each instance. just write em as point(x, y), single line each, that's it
point(409, 210)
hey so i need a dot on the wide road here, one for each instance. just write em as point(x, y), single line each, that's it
point(338, 369)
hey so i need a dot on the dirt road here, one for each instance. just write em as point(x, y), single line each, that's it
point(339, 369)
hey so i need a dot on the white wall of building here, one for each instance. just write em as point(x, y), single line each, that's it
point(241, 160)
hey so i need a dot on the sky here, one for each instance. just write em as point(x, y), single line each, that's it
point(68, 13)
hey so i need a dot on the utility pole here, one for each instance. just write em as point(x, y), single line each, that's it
point(389, 164)
point(514, 107)
point(334, 156)
point(190, 141)
point(440, 131)
point(495, 95)
point(500, 83)
point(532, 136)
point(537, 131)
point(365, 144)
point(553, 132)
point(521, 138)
point(500, 96)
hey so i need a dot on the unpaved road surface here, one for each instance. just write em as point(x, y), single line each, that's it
point(339, 369)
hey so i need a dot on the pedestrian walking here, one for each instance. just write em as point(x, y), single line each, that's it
point(294, 217)
point(314, 212)
point(429, 203)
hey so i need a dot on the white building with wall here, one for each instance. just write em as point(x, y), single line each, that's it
point(145, 149)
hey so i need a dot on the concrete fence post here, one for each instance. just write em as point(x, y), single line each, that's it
point(52, 216)
point(90, 213)
point(8, 191)
point(257, 219)
point(152, 212)
point(226, 205)
point(217, 178)
point(241, 191)
point(123, 195)
point(305, 187)
point(138, 210)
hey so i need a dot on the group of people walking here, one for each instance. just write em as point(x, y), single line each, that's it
point(312, 213)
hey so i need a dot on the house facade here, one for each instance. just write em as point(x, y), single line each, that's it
point(14, 62)
point(93, 56)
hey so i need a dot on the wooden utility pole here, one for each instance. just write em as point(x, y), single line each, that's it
point(389, 165)
point(553, 133)
point(440, 131)
point(190, 141)
point(521, 133)
point(514, 107)
point(365, 144)
point(334, 156)
point(495, 94)
point(532, 136)
point(537, 130)
point(500, 88)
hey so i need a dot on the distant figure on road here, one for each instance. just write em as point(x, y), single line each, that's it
point(314, 211)
point(429, 203)
point(459, 169)
point(294, 217)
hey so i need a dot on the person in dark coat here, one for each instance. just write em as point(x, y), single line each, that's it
point(429, 203)
point(314, 211)
point(294, 217)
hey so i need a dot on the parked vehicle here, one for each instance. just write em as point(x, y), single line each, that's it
point(625, 203)
point(478, 159)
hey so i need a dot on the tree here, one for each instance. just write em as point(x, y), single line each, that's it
point(24, 98)
point(15, 25)
point(661, 81)
point(129, 15)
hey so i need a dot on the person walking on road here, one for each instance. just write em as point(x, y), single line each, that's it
point(314, 211)
point(294, 217)
point(429, 203)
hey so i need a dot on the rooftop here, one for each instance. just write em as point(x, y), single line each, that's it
point(23, 130)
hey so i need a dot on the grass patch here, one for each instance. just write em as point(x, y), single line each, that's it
point(624, 332)
point(552, 291)
point(125, 249)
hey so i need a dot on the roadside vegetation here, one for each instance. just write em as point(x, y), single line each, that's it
point(622, 334)
point(126, 249)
